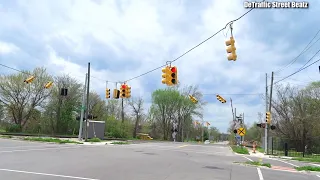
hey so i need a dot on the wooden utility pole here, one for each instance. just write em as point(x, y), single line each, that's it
point(270, 101)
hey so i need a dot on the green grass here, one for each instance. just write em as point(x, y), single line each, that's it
point(257, 163)
point(240, 149)
point(120, 142)
point(308, 168)
point(95, 139)
point(6, 137)
point(259, 149)
point(54, 140)
point(315, 159)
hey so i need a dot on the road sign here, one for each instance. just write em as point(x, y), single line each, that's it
point(241, 131)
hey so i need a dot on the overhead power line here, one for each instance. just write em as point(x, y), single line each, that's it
point(194, 46)
point(302, 52)
point(297, 71)
point(253, 94)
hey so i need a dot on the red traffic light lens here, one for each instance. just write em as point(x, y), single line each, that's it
point(173, 69)
point(124, 86)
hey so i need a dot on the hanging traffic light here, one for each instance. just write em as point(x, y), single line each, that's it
point(128, 91)
point(174, 75)
point(221, 99)
point(48, 85)
point(193, 99)
point(123, 90)
point(107, 93)
point(29, 80)
point(166, 76)
point(116, 94)
point(268, 117)
point(231, 49)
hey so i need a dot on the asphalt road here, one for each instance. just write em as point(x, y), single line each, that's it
point(20, 160)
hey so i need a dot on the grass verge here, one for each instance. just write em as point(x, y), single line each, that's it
point(54, 140)
point(240, 149)
point(317, 159)
point(257, 163)
point(120, 142)
point(94, 140)
point(6, 137)
point(308, 168)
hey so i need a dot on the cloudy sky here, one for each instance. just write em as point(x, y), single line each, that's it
point(125, 38)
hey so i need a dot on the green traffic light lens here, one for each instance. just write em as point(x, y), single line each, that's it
point(173, 81)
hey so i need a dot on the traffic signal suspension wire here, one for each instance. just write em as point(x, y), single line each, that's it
point(194, 46)
point(253, 94)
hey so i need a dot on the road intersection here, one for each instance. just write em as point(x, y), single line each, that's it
point(152, 161)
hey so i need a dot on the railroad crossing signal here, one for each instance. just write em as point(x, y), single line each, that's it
point(107, 93)
point(241, 131)
point(231, 49)
point(221, 99)
point(29, 80)
point(48, 85)
point(268, 117)
point(193, 99)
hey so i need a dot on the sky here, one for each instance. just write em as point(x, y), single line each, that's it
point(123, 39)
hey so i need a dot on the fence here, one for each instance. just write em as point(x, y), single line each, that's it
point(293, 147)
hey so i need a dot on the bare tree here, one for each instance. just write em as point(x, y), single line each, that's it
point(137, 107)
point(21, 99)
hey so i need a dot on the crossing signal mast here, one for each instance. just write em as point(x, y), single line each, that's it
point(170, 75)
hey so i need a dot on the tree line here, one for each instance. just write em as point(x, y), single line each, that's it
point(296, 115)
point(31, 108)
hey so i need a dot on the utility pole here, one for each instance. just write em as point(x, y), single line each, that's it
point(243, 124)
point(202, 133)
point(266, 125)
point(87, 108)
point(270, 100)
point(83, 108)
point(122, 110)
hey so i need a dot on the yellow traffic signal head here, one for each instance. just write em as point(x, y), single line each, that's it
point(221, 99)
point(193, 99)
point(231, 49)
point(48, 85)
point(29, 80)
point(174, 75)
point(268, 117)
point(116, 94)
point(123, 90)
point(166, 76)
point(128, 91)
point(107, 93)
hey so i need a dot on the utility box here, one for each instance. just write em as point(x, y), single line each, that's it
point(95, 129)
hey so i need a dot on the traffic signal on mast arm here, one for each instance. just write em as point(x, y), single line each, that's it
point(268, 117)
point(231, 49)
point(123, 89)
point(193, 99)
point(128, 91)
point(174, 75)
point(166, 76)
point(116, 94)
point(107, 93)
point(48, 85)
point(29, 80)
point(221, 99)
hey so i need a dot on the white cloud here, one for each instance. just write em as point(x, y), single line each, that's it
point(6, 48)
point(148, 33)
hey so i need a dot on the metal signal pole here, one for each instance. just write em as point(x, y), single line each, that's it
point(87, 106)
point(266, 125)
point(83, 108)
